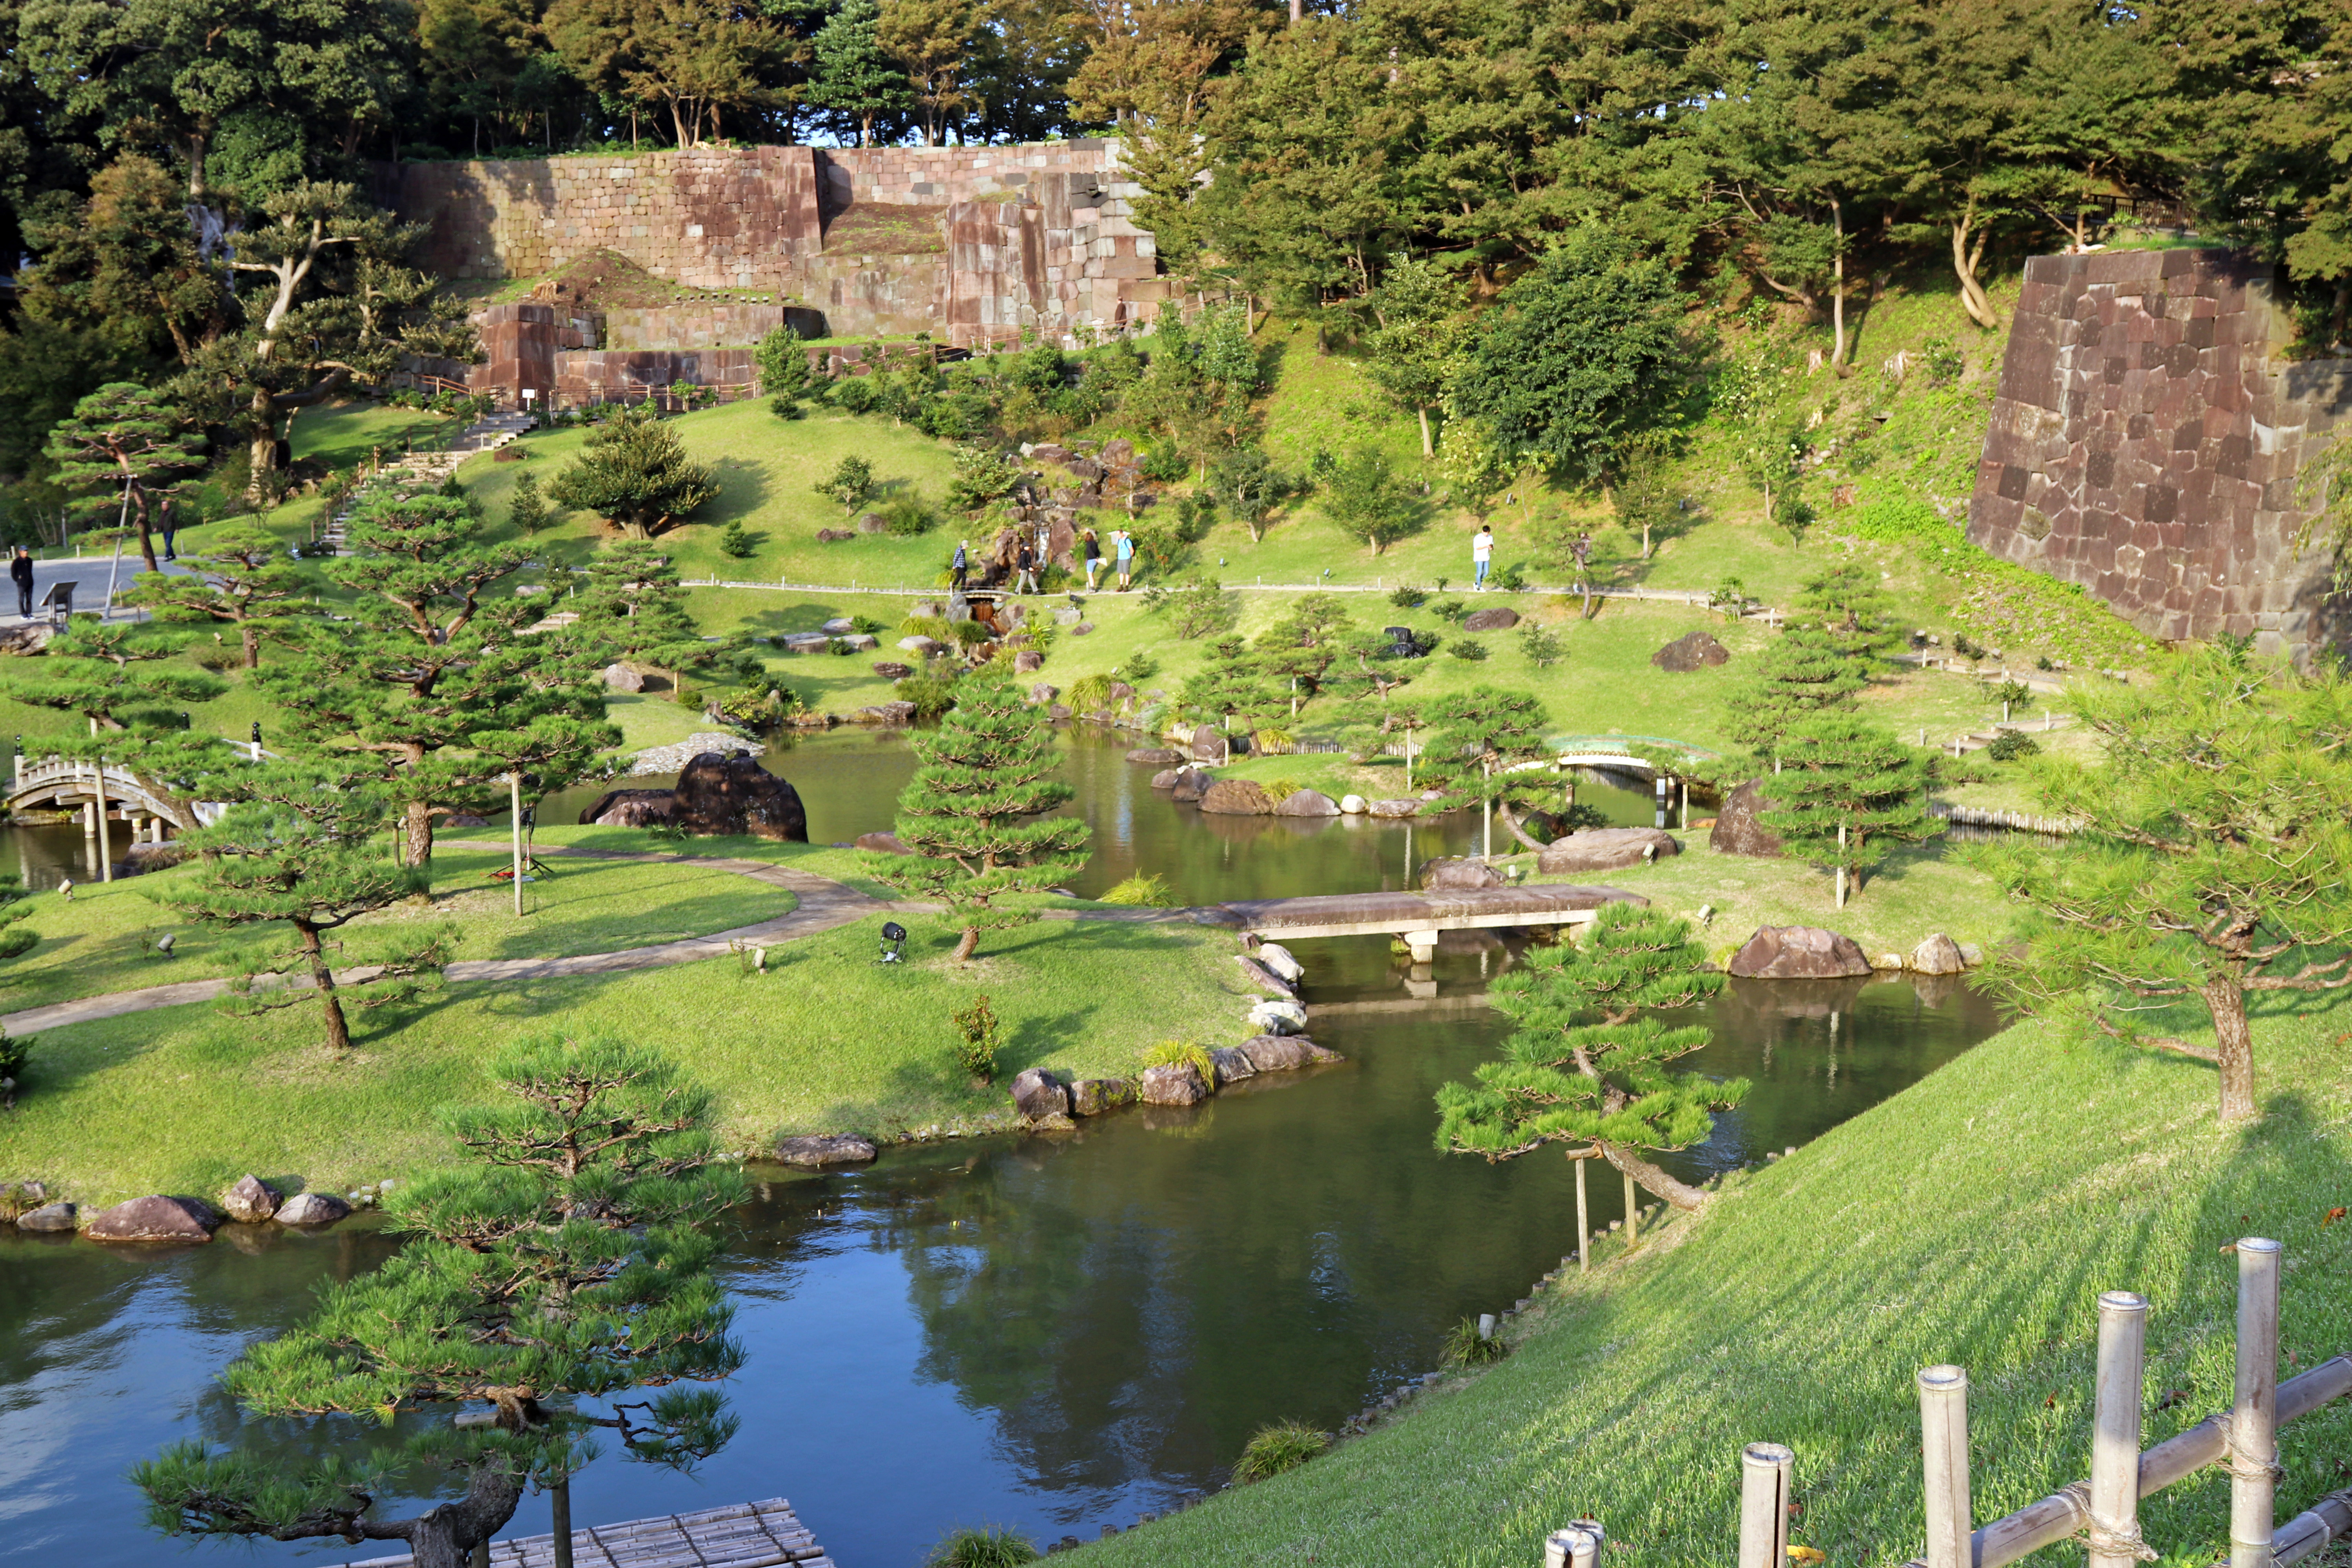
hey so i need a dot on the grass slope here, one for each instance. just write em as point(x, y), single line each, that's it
point(1974, 1219)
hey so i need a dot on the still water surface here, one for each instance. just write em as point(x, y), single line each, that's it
point(1051, 1333)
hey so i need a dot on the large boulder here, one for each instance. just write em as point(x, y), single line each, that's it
point(882, 844)
point(1392, 808)
point(874, 713)
point(1258, 978)
point(1277, 957)
point(1208, 745)
point(1231, 1064)
point(1028, 661)
point(631, 808)
point(1691, 650)
point(891, 669)
point(1495, 618)
point(1307, 802)
point(1036, 1095)
point(814, 1152)
point(1094, 1096)
point(1799, 952)
point(1284, 1053)
point(1157, 756)
point(921, 644)
point(1178, 1083)
point(1352, 805)
point(1191, 784)
point(49, 1219)
point(1938, 954)
point(1458, 874)
point(307, 1209)
point(155, 1218)
point(1606, 849)
point(1236, 797)
point(726, 795)
point(621, 677)
point(1279, 1016)
point(1735, 829)
point(251, 1201)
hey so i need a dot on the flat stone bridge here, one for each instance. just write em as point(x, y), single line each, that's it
point(1415, 917)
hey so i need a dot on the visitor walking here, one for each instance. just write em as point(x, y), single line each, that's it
point(1123, 546)
point(960, 569)
point(20, 571)
point(1482, 555)
point(1091, 548)
point(1024, 566)
point(168, 516)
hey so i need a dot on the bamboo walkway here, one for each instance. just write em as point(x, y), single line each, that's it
point(744, 1535)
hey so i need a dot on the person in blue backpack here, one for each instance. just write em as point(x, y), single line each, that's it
point(1123, 548)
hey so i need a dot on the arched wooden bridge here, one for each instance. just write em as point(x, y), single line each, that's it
point(55, 784)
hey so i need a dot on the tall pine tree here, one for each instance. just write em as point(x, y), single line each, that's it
point(1842, 623)
point(1845, 793)
point(126, 441)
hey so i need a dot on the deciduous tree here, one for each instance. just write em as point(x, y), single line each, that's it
point(1421, 332)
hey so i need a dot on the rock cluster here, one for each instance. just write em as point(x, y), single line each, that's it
point(1691, 650)
point(717, 794)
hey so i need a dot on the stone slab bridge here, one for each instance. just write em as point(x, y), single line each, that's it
point(55, 784)
point(1417, 918)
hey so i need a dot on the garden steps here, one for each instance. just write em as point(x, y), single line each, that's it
point(485, 434)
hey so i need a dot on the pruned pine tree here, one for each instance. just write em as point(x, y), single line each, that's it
point(634, 474)
point(126, 441)
point(114, 676)
point(1233, 689)
point(633, 607)
point(1586, 1059)
point(301, 848)
point(2212, 857)
point(1477, 739)
point(571, 1264)
point(1845, 793)
point(973, 814)
point(242, 578)
point(1842, 624)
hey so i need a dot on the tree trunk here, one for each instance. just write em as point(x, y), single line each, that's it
point(416, 835)
point(146, 541)
point(1837, 290)
point(1688, 1199)
point(968, 945)
point(252, 646)
point(1428, 449)
point(445, 1536)
point(558, 1497)
point(322, 975)
point(1511, 823)
point(2225, 999)
point(1973, 298)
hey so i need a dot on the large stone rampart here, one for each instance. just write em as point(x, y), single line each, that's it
point(2146, 441)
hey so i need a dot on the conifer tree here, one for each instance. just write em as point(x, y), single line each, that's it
point(636, 608)
point(1565, 1077)
point(1231, 688)
point(784, 373)
point(242, 579)
point(114, 676)
point(124, 440)
point(1842, 623)
point(526, 509)
point(572, 1264)
point(973, 814)
point(851, 76)
point(634, 474)
point(1846, 792)
point(1478, 737)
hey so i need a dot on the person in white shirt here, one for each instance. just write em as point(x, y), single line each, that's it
point(1482, 555)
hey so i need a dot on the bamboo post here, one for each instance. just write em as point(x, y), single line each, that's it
point(1577, 1546)
point(514, 822)
point(1944, 1448)
point(1764, 1469)
point(1840, 869)
point(1583, 1218)
point(2116, 1430)
point(1632, 1213)
point(2253, 1418)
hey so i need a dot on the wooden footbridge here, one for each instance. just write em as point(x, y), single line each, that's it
point(744, 1535)
point(80, 789)
point(1417, 918)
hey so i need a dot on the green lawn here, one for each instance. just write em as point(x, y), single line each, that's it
point(185, 1100)
point(1973, 1219)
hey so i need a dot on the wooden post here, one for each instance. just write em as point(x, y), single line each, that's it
point(1632, 1213)
point(1764, 1469)
point(2252, 1450)
point(97, 813)
point(1577, 1546)
point(2116, 1430)
point(1583, 1218)
point(1943, 1447)
point(514, 821)
point(1840, 869)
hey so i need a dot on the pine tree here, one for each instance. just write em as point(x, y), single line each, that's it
point(125, 441)
point(634, 608)
point(1478, 738)
point(853, 78)
point(1845, 792)
point(1231, 688)
point(114, 678)
point(242, 578)
point(526, 509)
point(436, 658)
point(1605, 1083)
point(573, 1265)
point(1842, 623)
point(299, 848)
point(973, 814)
point(784, 373)
point(634, 474)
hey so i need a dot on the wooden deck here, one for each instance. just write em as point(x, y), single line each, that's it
point(742, 1535)
point(1403, 914)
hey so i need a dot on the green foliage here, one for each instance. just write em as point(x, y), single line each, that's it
point(976, 1039)
point(1842, 624)
point(1466, 1346)
point(905, 517)
point(1246, 483)
point(125, 441)
point(985, 1547)
point(525, 509)
point(1838, 774)
point(1541, 645)
point(1364, 498)
point(15, 1061)
point(1897, 517)
point(1143, 890)
point(737, 542)
point(1278, 1447)
point(784, 373)
point(2012, 745)
point(1232, 687)
point(1408, 598)
point(972, 814)
point(634, 474)
point(982, 474)
point(851, 481)
point(932, 688)
point(1479, 735)
point(1195, 610)
point(1469, 649)
point(1180, 1053)
point(2013, 694)
point(1088, 694)
point(1565, 1079)
point(1423, 330)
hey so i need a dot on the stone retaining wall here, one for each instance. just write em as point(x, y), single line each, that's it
point(699, 325)
point(2146, 440)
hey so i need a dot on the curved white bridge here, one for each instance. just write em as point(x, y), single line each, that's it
point(55, 784)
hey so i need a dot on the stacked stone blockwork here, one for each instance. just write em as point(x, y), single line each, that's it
point(2146, 442)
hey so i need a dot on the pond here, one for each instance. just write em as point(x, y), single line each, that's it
point(1055, 1333)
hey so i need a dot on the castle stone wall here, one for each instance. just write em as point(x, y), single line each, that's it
point(2145, 439)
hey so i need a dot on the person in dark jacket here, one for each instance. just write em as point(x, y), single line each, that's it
point(20, 571)
point(1093, 552)
point(1024, 565)
point(960, 568)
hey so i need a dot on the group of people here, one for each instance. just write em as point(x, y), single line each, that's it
point(1029, 560)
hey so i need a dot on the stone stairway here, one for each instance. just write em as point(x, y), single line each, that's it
point(1977, 740)
point(426, 468)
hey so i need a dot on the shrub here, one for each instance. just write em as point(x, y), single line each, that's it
point(1466, 647)
point(988, 1547)
point(968, 633)
point(851, 481)
point(1511, 579)
point(1943, 360)
point(1962, 646)
point(15, 1057)
point(905, 517)
point(1279, 1447)
point(1464, 1347)
point(736, 539)
point(525, 509)
point(2015, 693)
point(1142, 890)
point(976, 1041)
point(2010, 745)
point(857, 393)
point(1277, 790)
point(1449, 609)
point(1541, 645)
point(1199, 610)
point(866, 623)
point(937, 627)
point(931, 690)
point(1408, 598)
point(1165, 464)
point(1182, 1053)
point(1139, 666)
point(839, 646)
point(1088, 694)
point(1892, 519)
